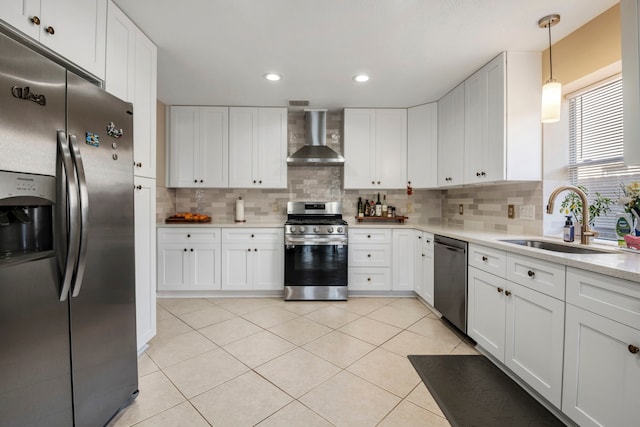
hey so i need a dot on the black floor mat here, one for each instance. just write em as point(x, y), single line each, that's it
point(472, 391)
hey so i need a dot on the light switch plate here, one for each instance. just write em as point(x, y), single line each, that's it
point(528, 212)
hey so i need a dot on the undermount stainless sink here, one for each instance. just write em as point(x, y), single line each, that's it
point(556, 247)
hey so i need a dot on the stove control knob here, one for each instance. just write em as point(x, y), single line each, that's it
point(340, 229)
point(300, 229)
point(330, 230)
point(316, 229)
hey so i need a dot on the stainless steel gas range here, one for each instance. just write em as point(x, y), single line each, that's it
point(316, 248)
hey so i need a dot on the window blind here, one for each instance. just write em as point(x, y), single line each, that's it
point(596, 149)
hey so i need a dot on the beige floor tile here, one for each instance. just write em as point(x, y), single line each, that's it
point(297, 372)
point(182, 415)
point(146, 365)
point(243, 401)
point(301, 307)
point(295, 414)
point(412, 305)
point(362, 305)
point(170, 327)
point(204, 372)
point(242, 305)
point(230, 330)
point(435, 328)
point(371, 331)
point(169, 351)
point(406, 414)
point(332, 317)
point(269, 316)
point(388, 370)
point(406, 343)
point(395, 316)
point(347, 400)
point(338, 348)
point(162, 313)
point(421, 397)
point(208, 316)
point(260, 348)
point(464, 348)
point(300, 330)
point(180, 306)
point(156, 395)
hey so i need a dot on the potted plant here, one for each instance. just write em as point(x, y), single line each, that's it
point(572, 205)
point(630, 201)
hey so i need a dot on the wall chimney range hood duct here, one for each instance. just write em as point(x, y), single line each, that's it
point(315, 151)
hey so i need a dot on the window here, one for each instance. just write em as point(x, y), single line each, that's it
point(595, 148)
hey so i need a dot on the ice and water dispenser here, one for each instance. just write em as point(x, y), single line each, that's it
point(26, 216)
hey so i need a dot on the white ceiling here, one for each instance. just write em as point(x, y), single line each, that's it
point(215, 52)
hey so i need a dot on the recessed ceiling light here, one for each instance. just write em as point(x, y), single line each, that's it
point(361, 78)
point(272, 77)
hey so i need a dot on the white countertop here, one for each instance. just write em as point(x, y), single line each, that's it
point(224, 225)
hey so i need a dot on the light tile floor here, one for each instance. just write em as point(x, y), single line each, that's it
point(267, 362)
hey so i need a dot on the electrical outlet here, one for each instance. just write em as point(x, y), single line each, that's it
point(528, 212)
point(409, 207)
point(511, 211)
point(275, 208)
point(460, 209)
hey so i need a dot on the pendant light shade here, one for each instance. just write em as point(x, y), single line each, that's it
point(552, 90)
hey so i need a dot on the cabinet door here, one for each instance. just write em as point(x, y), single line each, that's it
point(205, 267)
point(236, 265)
point(451, 138)
point(173, 267)
point(422, 146)
point(18, 13)
point(80, 28)
point(268, 267)
point(403, 260)
point(183, 134)
point(121, 45)
point(535, 339)
point(271, 154)
point(475, 126)
point(486, 311)
point(243, 138)
point(391, 148)
point(359, 152)
point(145, 248)
point(601, 375)
point(494, 156)
point(419, 255)
point(630, 23)
point(213, 147)
point(427, 270)
point(144, 106)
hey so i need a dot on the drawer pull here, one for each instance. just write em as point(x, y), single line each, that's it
point(633, 349)
point(185, 249)
point(419, 237)
point(255, 250)
point(188, 235)
point(249, 250)
point(253, 235)
point(368, 279)
point(368, 236)
point(191, 249)
point(507, 293)
point(500, 290)
point(50, 30)
point(423, 255)
point(484, 259)
point(368, 255)
point(35, 20)
point(531, 273)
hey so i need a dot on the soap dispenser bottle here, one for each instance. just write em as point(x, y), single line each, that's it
point(569, 231)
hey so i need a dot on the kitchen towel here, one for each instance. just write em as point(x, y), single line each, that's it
point(240, 210)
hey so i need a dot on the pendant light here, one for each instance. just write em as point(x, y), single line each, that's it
point(552, 90)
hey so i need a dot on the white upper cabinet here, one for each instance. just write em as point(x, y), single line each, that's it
point(503, 139)
point(375, 148)
point(257, 147)
point(121, 54)
point(630, 20)
point(75, 29)
point(422, 146)
point(198, 146)
point(451, 133)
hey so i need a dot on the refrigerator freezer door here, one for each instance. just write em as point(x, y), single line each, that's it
point(104, 355)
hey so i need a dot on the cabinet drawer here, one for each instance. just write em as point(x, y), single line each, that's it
point(369, 279)
point(607, 296)
point(542, 276)
point(370, 255)
point(491, 260)
point(369, 235)
point(189, 235)
point(245, 235)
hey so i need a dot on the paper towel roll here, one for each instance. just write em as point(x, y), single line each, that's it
point(240, 210)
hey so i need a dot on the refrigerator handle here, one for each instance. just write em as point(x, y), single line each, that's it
point(72, 207)
point(84, 215)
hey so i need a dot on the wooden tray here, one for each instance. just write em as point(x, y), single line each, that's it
point(172, 220)
point(401, 219)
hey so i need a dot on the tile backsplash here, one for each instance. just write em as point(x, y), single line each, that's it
point(484, 207)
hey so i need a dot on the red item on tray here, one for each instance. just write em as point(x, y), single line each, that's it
point(633, 242)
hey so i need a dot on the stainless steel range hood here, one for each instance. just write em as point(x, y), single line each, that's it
point(315, 151)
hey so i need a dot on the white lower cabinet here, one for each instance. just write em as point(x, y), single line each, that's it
point(252, 259)
point(189, 259)
point(486, 317)
point(145, 248)
point(423, 266)
point(370, 257)
point(403, 259)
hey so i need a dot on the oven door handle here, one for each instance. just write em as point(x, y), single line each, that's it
point(292, 242)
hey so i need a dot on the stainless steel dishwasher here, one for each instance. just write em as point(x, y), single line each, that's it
point(450, 277)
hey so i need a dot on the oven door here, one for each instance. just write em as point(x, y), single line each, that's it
point(317, 263)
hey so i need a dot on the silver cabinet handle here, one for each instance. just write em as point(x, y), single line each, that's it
point(84, 215)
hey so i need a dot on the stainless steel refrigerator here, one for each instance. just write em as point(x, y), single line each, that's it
point(67, 287)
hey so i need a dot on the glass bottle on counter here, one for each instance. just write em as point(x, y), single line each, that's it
point(384, 205)
point(360, 208)
point(378, 207)
point(366, 208)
